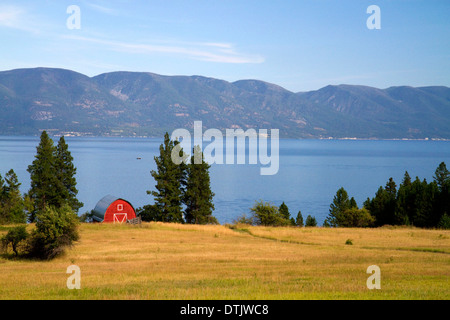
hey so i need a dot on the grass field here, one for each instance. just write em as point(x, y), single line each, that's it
point(172, 261)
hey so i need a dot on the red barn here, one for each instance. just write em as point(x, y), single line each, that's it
point(113, 210)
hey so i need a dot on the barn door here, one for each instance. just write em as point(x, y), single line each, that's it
point(120, 217)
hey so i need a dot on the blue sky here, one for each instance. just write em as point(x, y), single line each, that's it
point(299, 44)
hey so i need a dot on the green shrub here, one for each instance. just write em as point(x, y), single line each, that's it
point(356, 218)
point(244, 220)
point(15, 237)
point(267, 214)
point(55, 230)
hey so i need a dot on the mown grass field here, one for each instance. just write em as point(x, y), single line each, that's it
point(172, 261)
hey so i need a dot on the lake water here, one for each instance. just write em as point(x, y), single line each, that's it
point(310, 171)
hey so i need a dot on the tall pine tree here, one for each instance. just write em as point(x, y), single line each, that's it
point(198, 195)
point(169, 178)
point(14, 203)
point(52, 174)
point(284, 211)
point(12, 208)
point(340, 203)
point(44, 183)
point(65, 172)
point(442, 179)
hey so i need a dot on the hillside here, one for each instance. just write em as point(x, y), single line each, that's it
point(147, 104)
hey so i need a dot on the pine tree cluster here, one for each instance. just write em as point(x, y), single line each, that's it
point(418, 203)
point(183, 192)
point(52, 174)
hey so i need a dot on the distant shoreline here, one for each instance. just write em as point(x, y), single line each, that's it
point(281, 138)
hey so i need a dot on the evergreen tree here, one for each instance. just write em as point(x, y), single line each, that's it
point(340, 203)
point(442, 176)
point(284, 211)
point(198, 195)
point(310, 221)
point(442, 179)
point(168, 177)
point(406, 180)
point(12, 203)
point(405, 202)
point(384, 205)
point(65, 172)
point(391, 201)
point(423, 197)
point(52, 176)
point(299, 220)
point(352, 203)
point(44, 183)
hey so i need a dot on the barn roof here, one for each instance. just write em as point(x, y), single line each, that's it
point(103, 205)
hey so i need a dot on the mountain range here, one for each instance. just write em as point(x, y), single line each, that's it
point(147, 104)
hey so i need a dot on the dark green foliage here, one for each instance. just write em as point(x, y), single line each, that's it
point(179, 183)
point(405, 201)
point(56, 229)
point(149, 213)
point(267, 214)
point(356, 218)
point(442, 179)
point(383, 205)
point(12, 208)
point(444, 223)
point(15, 238)
point(52, 176)
point(284, 211)
point(340, 204)
point(169, 177)
point(442, 176)
point(198, 196)
point(418, 203)
point(310, 221)
point(299, 219)
point(65, 173)
point(44, 184)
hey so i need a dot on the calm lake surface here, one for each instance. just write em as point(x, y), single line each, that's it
point(310, 171)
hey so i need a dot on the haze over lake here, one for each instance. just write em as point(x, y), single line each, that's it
point(310, 172)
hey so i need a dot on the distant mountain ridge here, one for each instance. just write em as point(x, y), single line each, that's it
point(147, 104)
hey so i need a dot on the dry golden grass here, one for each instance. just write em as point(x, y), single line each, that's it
point(172, 261)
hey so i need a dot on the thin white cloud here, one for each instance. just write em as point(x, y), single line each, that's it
point(102, 9)
point(210, 51)
point(21, 18)
point(12, 17)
